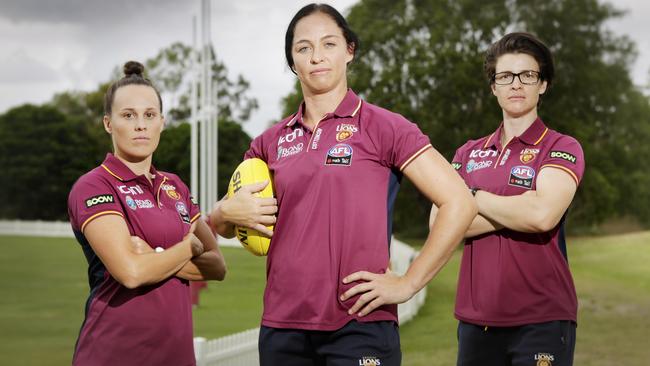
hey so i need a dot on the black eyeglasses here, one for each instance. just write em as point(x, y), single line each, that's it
point(527, 77)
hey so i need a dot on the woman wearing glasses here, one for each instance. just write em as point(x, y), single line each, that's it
point(516, 301)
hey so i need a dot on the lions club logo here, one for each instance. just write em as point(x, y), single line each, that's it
point(544, 359)
point(528, 155)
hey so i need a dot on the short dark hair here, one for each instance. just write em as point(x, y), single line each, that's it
point(350, 37)
point(133, 75)
point(520, 42)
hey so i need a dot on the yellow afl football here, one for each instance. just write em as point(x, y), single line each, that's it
point(248, 172)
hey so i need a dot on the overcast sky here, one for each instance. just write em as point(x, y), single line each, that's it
point(48, 46)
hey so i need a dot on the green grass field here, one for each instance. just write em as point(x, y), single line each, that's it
point(43, 288)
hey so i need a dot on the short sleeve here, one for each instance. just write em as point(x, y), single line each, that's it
point(566, 154)
point(401, 141)
point(90, 199)
point(256, 149)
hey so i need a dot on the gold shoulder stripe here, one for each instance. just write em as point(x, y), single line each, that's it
point(541, 137)
point(195, 217)
point(111, 173)
point(571, 173)
point(88, 220)
point(417, 153)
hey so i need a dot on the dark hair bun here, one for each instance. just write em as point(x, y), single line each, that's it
point(133, 68)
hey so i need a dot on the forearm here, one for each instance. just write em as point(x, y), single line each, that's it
point(524, 213)
point(482, 225)
point(153, 267)
point(220, 224)
point(208, 266)
point(446, 231)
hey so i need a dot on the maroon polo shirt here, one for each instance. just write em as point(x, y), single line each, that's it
point(149, 325)
point(510, 278)
point(335, 187)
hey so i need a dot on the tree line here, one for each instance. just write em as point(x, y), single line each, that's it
point(420, 58)
point(45, 148)
point(424, 60)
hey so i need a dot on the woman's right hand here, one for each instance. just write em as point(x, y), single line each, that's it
point(247, 209)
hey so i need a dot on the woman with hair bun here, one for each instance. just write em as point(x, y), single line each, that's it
point(140, 231)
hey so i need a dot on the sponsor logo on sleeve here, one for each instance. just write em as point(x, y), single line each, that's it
point(521, 176)
point(182, 212)
point(99, 200)
point(456, 165)
point(339, 154)
point(194, 201)
point(564, 156)
point(528, 155)
point(131, 203)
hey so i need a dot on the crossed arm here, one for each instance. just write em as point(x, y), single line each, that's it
point(531, 212)
point(133, 263)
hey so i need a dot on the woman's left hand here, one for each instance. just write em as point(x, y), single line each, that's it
point(378, 290)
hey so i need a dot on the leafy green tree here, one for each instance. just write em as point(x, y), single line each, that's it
point(174, 150)
point(424, 60)
point(44, 152)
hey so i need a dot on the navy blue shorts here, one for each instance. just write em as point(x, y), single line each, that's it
point(542, 344)
point(357, 343)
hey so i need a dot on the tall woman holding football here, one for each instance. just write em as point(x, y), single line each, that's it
point(142, 237)
point(337, 164)
point(516, 302)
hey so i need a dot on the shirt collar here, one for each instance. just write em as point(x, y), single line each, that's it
point(119, 170)
point(533, 135)
point(348, 107)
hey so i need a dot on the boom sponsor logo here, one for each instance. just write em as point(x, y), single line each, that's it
point(99, 199)
point(564, 156)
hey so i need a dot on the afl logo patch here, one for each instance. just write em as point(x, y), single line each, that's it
point(182, 212)
point(131, 203)
point(521, 176)
point(339, 154)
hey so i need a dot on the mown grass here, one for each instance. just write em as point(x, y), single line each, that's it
point(43, 288)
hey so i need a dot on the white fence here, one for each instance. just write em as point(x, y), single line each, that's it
point(238, 349)
point(60, 229)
